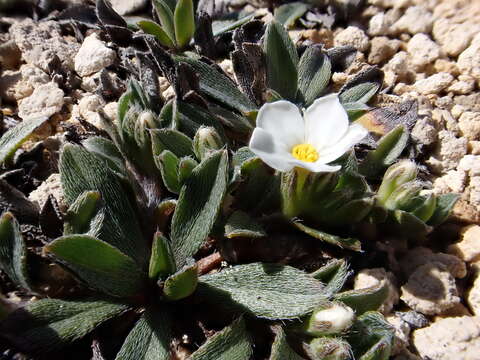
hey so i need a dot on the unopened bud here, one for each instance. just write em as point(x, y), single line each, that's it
point(425, 211)
point(329, 348)
point(205, 141)
point(332, 318)
point(403, 195)
point(395, 176)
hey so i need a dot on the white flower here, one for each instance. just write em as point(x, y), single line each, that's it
point(284, 139)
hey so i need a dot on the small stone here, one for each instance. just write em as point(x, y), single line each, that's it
point(422, 50)
point(448, 153)
point(352, 36)
point(420, 256)
point(414, 319)
point(468, 248)
point(10, 55)
point(474, 147)
point(462, 87)
point(454, 38)
point(469, 60)
point(32, 77)
point(378, 25)
point(433, 84)
point(321, 36)
point(93, 56)
point(443, 65)
point(111, 111)
point(367, 278)
point(424, 132)
point(127, 7)
point(457, 110)
point(399, 64)
point(469, 124)
point(227, 66)
point(416, 19)
point(449, 339)
point(51, 186)
point(470, 164)
point(88, 108)
point(382, 48)
point(431, 289)
point(9, 80)
point(45, 100)
point(473, 296)
point(402, 332)
point(453, 180)
point(464, 211)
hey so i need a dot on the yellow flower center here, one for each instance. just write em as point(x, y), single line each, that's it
point(305, 152)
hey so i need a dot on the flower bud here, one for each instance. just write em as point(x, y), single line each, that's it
point(403, 195)
point(328, 348)
point(205, 141)
point(332, 318)
point(395, 176)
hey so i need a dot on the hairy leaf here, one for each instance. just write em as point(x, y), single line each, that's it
point(362, 300)
point(149, 339)
point(172, 140)
point(168, 165)
point(184, 22)
point(83, 171)
point(334, 275)
point(345, 243)
point(162, 262)
point(13, 251)
point(232, 343)
point(183, 283)
point(80, 214)
point(240, 224)
point(198, 204)
point(152, 28)
point(363, 86)
point(282, 60)
point(287, 14)
point(45, 326)
point(265, 290)
point(445, 204)
point(13, 138)
point(107, 150)
point(165, 14)
point(280, 348)
point(99, 264)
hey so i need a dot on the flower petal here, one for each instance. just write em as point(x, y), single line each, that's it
point(273, 153)
point(317, 166)
point(355, 133)
point(326, 121)
point(284, 121)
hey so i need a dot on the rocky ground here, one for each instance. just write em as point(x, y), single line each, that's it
point(429, 51)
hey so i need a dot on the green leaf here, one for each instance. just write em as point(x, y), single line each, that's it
point(232, 343)
point(388, 150)
point(184, 22)
point(150, 338)
point(334, 275)
point(16, 136)
point(45, 326)
point(13, 251)
point(190, 117)
point(352, 212)
point(99, 264)
point(81, 213)
point(172, 140)
point(287, 14)
point(162, 262)
point(280, 348)
point(240, 224)
point(268, 291)
point(181, 284)
point(363, 300)
point(425, 211)
point(168, 165)
point(185, 168)
point(83, 171)
point(152, 28)
point(371, 337)
point(163, 212)
point(344, 243)
point(165, 14)
point(409, 225)
point(220, 27)
point(218, 86)
point(363, 86)
point(282, 59)
point(107, 150)
point(198, 204)
point(231, 120)
point(445, 204)
point(314, 73)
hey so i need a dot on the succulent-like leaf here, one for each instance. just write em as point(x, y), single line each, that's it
point(409, 225)
point(363, 86)
point(168, 165)
point(162, 262)
point(99, 264)
point(14, 138)
point(152, 28)
point(45, 326)
point(314, 72)
point(220, 27)
point(280, 348)
point(371, 337)
point(183, 283)
point(163, 212)
point(81, 213)
point(388, 150)
point(282, 61)
point(352, 212)
point(232, 343)
point(240, 224)
point(172, 140)
point(445, 204)
point(189, 118)
point(345, 243)
point(150, 338)
point(165, 14)
point(425, 210)
point(333, 275)
point(13, 251)
point(107, 150)
point(287, 14)
point(184, 22)
point(218, 86)
point(265, 290)
point(362, 300)
point(198, 205)
point(83, 171)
